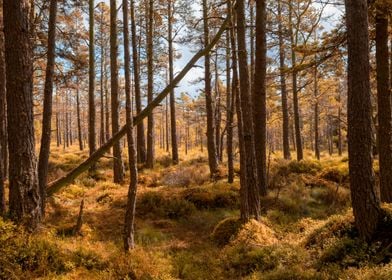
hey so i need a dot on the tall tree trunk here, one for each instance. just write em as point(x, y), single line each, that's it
point(43, 162)
point(80, 138)
point(91, 84)
point(365, 201)
point(252, 25)
point(283, 89)
point(102, 84)
point(316, 115)
point(24, 197)
point(340, 140)
point(247, 117)
point(150, 85)
point(384, 105)
point(129, 240)
point(218, 114)
point(167, 123)
point(297, 123)
point(118, 168)
point(229, 113)
point(3, 116)
point(211, 145)
point(66, 131)
point(107, 107)
point(244, 205)
point(259, 98)
point(173, 125)
point(141, 142)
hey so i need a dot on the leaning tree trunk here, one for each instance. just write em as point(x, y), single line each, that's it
point(384, 105)
point(24, 199)
point(259, 98)
point(129, 240)
point(247, 118)
point(211, 145)
point(43, 162)
point(365, 201)
point(58, 184)
point(118, 168)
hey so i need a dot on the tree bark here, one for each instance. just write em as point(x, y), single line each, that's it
point(91, 84)
point(247, 117)
point(129, 240)
point(150, 85)
point(3, 116)
point(316, 116)
point(80, 138)
point(141, 142)
point(43, 162)
point(102, 83)
point(365, 201)
point(24, 199)
point(259, 98)
point(217, 113)
point(118, 168)
point(173, 124)
point(297, 123)
point(283, 88)
point(384, 105)
point(229, 113)
point(211, 145)
point(244, 205)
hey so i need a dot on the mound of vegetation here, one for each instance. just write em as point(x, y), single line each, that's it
point(212, 197)
point(155, 204)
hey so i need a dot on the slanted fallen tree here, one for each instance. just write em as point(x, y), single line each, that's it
point(58, 184)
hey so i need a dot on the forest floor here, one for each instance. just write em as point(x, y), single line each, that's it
point(187, 227)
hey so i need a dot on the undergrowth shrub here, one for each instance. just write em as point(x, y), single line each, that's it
point(336, 174)
point(155, 204)
point(242, 260)
point(88, 259)
point(295, 272)
point(225, 230)
point(139, 264)
point(304, 166)
point(25, 257)
point(190, 265)
point(212, 198)
point(150, 179)
point(346, 252)
point(185, 176)
point(337, 226)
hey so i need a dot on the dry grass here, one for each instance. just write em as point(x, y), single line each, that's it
point(187, 226)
